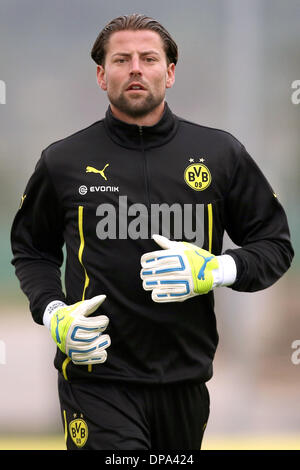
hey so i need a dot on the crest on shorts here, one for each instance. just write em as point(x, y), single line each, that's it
point(78, 431)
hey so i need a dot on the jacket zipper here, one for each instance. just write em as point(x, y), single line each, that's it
point(145, 167)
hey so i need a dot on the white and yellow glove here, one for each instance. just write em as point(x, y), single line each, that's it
point(182, 270)
point(76, 334)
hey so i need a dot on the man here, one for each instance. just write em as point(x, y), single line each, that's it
point(141, 200)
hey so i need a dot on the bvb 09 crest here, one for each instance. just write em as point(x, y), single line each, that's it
point(197, 176)
point(78, 432)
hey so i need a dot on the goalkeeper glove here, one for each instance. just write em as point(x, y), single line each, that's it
point(183, 270)
point(76, 334)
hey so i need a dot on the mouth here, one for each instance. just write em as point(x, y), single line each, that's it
point(135, 87)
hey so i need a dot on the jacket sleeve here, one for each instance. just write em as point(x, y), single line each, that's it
point(37, 242)
point(256, 222)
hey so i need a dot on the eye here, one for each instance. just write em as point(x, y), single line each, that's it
point(150, 59)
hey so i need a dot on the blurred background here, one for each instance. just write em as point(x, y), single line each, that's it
point(237, 63)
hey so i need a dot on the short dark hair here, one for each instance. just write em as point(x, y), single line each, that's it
point(133, 22)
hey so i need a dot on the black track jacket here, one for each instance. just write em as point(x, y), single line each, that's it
point(102, 191)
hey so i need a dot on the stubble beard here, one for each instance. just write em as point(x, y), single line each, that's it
point(135, 107)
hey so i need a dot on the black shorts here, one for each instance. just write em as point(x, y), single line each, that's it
point(122, 416)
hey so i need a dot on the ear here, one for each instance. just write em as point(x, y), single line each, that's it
point(101, 77)
point(170, 75)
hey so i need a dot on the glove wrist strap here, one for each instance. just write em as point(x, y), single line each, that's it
point(225, 275)
point(50, 310)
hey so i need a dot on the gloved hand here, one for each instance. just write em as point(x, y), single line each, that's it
point(75, 333)
point(182, 270)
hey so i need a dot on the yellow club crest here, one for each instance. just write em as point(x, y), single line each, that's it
point(78, 431)
point(197, 176)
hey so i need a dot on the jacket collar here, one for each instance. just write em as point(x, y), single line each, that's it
point(141, 137)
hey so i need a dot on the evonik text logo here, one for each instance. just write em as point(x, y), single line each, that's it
point(97, 189)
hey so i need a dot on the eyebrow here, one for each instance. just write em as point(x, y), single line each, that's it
point(142, 53)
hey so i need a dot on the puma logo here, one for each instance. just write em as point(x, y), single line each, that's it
point(201, 274)
point(90, 169)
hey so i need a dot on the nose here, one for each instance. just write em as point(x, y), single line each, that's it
point(135, 66)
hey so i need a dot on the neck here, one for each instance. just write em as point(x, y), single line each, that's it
point(149, 120)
